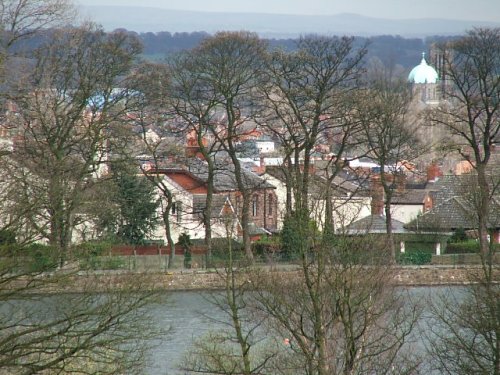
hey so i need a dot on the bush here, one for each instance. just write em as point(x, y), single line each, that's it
point(417, 258)
point(94, 256)
point(92, 248)
point(426, 247)
point(40, 257)
point(7, 237)
point(266, 248)
point(298, 234)
point(458, 236)
point(469, 247)
point(102, 263)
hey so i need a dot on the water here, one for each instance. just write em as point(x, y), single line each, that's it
point(186, 314)
point(189, 315)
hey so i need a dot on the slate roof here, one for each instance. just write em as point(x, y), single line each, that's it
point(410, 196)
point(218, 202)
point(453, 213)
point(374, 224)
point(224, 179)
point(453, 198)
point(341, 184)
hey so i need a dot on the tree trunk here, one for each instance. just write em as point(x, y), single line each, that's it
point(168, 232)
point(245, 221)
point(207, 212)
point(483, 211)
point(388, 227)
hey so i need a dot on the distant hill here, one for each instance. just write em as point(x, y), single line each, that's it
point(390, 50)
point(144, 19)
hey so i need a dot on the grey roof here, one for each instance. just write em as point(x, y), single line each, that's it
point(374, 224)
point(410, 196)
point(340, 184)
point(224, 179)
point(218, 202)
point(453, 213)
point(453, 198)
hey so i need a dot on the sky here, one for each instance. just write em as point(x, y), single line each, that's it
point(474, 10)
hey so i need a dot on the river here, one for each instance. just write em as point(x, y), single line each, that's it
point(186, 314)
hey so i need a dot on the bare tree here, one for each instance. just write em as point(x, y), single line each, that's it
point(21, 18)
point(195, 100)
point(44, 329)
point(239, 347)
point(306, 99)
point(463, 330)
point(471, 111)
point(151, 114)
point(231, 64)
point(64, 110)
point(339, 312)
point(390, 135)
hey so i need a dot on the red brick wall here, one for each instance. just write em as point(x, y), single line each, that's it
point(153, 250)
point(264, 214)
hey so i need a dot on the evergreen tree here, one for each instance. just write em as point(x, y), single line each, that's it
point(137, 204)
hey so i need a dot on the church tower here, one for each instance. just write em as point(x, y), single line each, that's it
point(425, 81)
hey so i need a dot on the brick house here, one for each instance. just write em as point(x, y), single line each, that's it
point(188, 184)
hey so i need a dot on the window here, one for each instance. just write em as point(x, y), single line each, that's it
point(270, 205)
point(179, 211)
point(255, 205)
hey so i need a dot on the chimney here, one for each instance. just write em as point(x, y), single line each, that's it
point(377, 195)
point(400, 182)
point(261, 168)
point(433, 172)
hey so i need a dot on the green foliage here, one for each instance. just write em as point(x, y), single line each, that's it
point(417, 258)
point(298, 234)
point(92, 248)
point(136, 207)
point(458, 236)
point(416, 246)
point(469, 247)
point(95, 255)
point(40, 258)
point(33, 258)
point(185, 243)
point(267, 247)
point(102, 262)
point(110, 263)
point(7, 237)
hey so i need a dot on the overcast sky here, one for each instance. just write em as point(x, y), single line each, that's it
point(474, 10)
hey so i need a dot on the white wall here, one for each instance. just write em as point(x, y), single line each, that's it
point(406, 212)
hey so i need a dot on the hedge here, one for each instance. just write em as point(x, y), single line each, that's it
point(469, 247)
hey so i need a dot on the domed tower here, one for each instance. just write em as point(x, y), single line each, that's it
point(424, 79)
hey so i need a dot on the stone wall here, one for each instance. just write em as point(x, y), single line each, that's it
point(404, 276)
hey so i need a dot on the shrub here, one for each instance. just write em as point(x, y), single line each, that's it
point(7, 237)
point(415, 258)
point(93, 256)
point(40, 257)
point(266, 247)
point(458, 236)
point(469, 247)
point(298, 234)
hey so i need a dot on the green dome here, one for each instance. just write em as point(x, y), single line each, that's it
point(423, 73)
